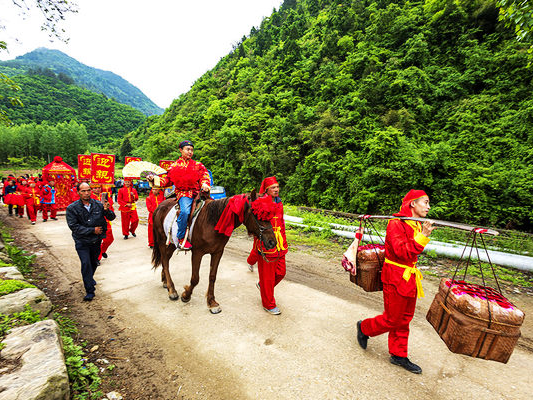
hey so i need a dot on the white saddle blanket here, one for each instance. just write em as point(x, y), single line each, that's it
point(170, 225)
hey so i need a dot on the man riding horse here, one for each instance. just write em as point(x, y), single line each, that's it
point(188, 177)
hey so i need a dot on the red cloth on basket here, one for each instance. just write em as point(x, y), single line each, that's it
point(234, 207)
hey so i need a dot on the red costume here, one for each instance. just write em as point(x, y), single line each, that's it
point(128, 213)
point(109, 238)
point(152, 202)
point(48, 194)
point(272, 270)
point(32, 199)
point(186, 176)
point(404, 241)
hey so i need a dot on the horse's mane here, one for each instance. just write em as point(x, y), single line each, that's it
point(214, 210)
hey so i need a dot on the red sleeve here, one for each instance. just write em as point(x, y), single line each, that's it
point(205, 175)
point(135, 194)
point(150, 203)
point(402, 243)
point(120, 197)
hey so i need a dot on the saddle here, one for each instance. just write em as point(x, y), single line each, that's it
point(196, 207)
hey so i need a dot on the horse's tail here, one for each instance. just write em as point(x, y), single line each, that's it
point(156, 252)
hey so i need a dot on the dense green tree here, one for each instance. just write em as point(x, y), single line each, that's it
point(352, 103)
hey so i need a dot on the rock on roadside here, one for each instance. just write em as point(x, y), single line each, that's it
point(14, 302)
point(11, 273)
point(42, 374)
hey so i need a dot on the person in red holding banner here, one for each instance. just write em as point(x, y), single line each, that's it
point(102, 197)
point(404, 241)
point(270, 263)
point(48, 200)
point(188, 177)
point(32, 198)
point(127, 196)
point(153, 200)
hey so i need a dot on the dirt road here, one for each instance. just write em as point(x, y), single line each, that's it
point(162, 348)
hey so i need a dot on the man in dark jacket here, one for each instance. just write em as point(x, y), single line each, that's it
point(85, 218)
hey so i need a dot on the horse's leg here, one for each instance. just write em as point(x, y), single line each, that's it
point(214, 307)
point(163, 278)
point(195, 275)
point(167, 252)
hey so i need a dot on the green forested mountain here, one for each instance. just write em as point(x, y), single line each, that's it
point(51, 98)
point(96, 80)
point(351, 103)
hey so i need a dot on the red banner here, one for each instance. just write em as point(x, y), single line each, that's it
point(103, 168)
point(165, 164)
point(130, 159)
point(84, 166)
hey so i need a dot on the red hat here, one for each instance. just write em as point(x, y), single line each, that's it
point(58, 159)
point(128, 179)
point(267, 182)
point(405, 210)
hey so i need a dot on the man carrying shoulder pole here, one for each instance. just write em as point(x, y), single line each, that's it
point(404, 241)
point(86, 218)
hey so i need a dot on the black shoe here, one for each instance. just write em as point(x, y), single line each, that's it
point(133, 234)
point(362, 339)
point(151, 247)
point(405, 363)
point(88, 297)
point(55, 219)
point(104, 255)
point(44, 220)
point(125, 237)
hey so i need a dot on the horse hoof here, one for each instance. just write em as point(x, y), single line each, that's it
point(185, 300)
point(215, 310)
point(173, 296)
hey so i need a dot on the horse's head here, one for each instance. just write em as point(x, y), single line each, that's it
point(260, 228)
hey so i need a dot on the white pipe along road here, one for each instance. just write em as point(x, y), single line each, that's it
point(517, 261)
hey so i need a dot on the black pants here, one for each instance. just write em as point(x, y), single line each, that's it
point(88, 254)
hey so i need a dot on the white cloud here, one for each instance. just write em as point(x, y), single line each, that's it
point(161, 47)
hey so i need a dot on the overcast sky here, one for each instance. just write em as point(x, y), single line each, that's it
point(160, 46)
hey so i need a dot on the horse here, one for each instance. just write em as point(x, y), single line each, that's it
point(205, 240)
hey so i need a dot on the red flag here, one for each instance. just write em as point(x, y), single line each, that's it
point(165, 164)
point(130, 159)
point(103, 168)
point(84, 166)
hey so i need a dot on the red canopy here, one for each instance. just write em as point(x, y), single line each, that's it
point(64, 175)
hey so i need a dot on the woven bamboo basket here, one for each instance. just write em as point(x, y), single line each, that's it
point(370, 259)
point(472, 325)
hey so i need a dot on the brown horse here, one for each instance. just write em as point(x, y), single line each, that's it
point(205, 240)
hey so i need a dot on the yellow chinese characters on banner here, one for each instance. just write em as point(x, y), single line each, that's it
point(165, 164)
point(103, 168)
point(84, 166)
point(129, 159)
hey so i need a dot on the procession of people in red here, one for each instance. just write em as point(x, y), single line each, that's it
point(405, 240)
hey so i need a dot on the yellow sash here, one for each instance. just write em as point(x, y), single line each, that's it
point(407, 275)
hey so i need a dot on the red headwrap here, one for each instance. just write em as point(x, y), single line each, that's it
point(405, 210)
point(267, 182)
point(128, 179)
point(58, 159)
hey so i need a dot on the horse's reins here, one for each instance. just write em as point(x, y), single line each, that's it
point(261, 230)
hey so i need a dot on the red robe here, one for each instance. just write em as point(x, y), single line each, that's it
point(152, 202)
point(32, 198)
point(186, 176)
point(109, 238)
point(128, 214)
point(403, 243)
point(272, 270)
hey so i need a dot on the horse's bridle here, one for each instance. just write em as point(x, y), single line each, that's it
point(260, 237)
